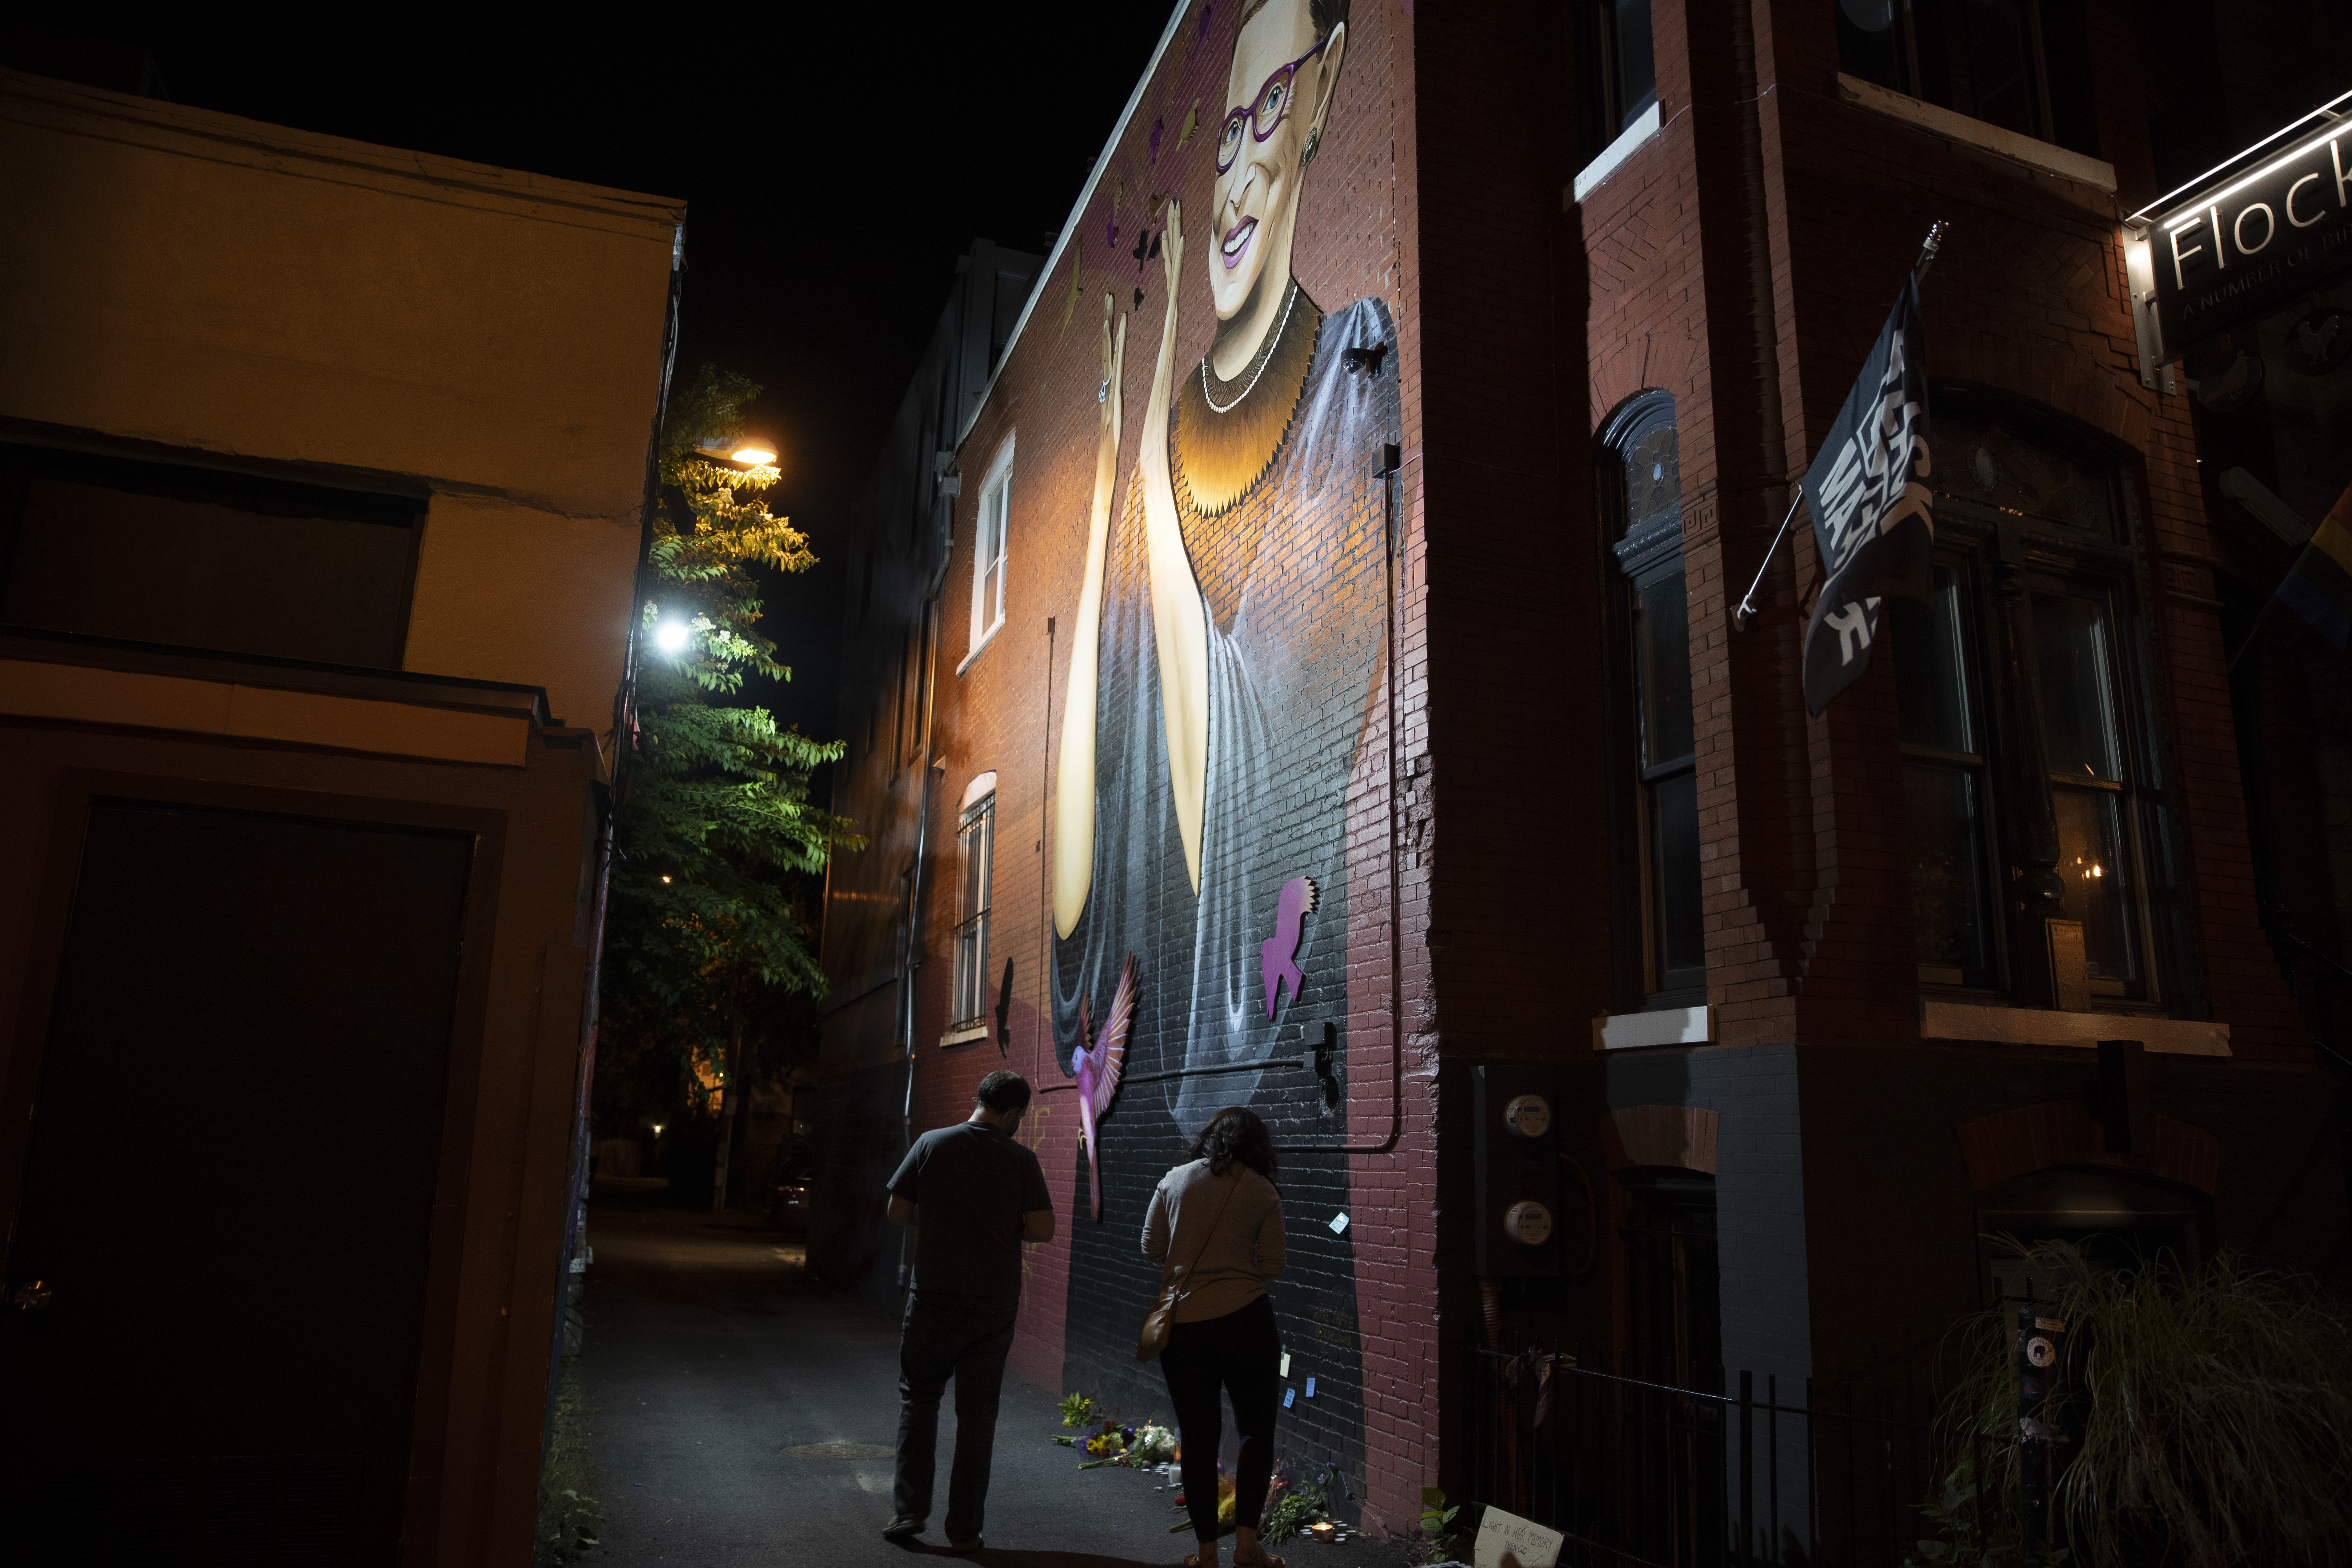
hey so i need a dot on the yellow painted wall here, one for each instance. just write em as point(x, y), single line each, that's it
point(183, 277)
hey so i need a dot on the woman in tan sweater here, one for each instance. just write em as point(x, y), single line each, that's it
point(1215, 1230)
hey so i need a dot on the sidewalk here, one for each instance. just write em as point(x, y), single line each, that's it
point(741, 1414)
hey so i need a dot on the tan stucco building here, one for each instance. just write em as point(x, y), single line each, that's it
point(322, 477)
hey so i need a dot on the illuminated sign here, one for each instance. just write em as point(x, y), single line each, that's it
point(2248, 236)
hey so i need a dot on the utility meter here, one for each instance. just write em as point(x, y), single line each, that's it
point(1514, 1153)
point(1528, 1115)
point(1528, 1221)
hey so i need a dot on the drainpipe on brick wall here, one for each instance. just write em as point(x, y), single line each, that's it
point(1391, 464)
point(932, 767)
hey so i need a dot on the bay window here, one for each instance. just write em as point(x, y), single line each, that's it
point(2026, 773)
point(2022, 65)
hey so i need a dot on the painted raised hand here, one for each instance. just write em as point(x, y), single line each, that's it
point(1074, 795)
point(1179, 617)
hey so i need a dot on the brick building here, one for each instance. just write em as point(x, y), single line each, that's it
point(1449, 635)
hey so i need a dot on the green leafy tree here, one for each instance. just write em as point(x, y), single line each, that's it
point(715, 828)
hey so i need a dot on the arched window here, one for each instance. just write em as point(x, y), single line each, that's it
point(1641, 492)
point(2019, 693)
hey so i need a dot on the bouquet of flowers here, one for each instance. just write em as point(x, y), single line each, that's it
point(1151, 1445)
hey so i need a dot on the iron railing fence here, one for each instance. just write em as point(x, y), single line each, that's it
point(1644, 1473)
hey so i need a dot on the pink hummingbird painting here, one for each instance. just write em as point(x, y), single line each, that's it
point(1096, 1065)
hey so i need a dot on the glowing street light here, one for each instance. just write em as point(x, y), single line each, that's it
point(671, 636)
point(751, 451)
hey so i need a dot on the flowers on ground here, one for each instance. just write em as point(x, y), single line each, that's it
point(1107, 1441)
point(1151, 1446)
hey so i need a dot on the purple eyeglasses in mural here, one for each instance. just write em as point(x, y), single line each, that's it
point(1264, 114)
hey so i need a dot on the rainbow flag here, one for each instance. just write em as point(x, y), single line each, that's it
point(2318, 586)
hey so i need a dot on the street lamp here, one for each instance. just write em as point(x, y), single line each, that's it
point(751, 451)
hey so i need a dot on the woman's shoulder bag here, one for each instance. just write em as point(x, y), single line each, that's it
point(1162, 1319)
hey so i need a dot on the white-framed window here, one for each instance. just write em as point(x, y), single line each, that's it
point(975, 857)
point(988, 556)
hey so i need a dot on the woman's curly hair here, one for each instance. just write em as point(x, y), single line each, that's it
point(1235, 1135)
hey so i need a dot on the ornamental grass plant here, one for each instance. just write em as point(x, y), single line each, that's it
point(2212, 1409)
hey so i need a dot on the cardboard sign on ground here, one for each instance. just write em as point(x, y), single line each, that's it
point(1507, 1541)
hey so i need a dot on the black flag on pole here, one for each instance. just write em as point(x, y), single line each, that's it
point(1873, 517)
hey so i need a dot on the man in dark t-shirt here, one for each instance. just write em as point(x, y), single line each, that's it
point(973, 1197)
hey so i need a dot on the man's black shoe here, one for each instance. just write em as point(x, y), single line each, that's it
point(904, 1527)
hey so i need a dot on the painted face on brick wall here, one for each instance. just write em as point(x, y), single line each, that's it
point(1277, 95)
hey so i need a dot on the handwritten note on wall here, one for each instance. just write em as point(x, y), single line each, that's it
point(1507, 1541)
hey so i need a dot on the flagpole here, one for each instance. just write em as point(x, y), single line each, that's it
point(1746, 610)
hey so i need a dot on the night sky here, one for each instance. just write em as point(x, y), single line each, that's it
point(835, 161)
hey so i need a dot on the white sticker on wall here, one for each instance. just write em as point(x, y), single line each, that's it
point(1339, 1225)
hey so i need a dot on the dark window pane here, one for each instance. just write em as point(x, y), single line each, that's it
point(976, 846)
point(971, 972)
point(2066, 68)
point(164, 554)
point(1674, 832)
point(1637, 72)
point(2093, 859)
point(2001, 74)
point(1984, 460)
point(2078, 714)
point(1653, 481)
point(1947, 913)
point(1662, 650)
point(1931, 669)
point(1870, 43)
point(985, 851)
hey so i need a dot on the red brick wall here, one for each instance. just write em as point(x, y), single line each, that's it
point(1004, 713)
point(1742, 260)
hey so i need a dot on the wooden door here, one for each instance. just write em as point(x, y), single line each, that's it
point(228, 1191)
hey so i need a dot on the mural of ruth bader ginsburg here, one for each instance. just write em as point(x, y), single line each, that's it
point(1229, 628)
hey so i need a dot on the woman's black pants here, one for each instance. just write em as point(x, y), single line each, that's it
point(1240, 1353)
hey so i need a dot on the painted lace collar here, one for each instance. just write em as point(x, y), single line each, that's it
point(1228, 432)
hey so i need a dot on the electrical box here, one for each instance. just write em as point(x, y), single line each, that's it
point(1516, 1149)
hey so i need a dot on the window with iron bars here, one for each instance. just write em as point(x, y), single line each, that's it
point(975, 850)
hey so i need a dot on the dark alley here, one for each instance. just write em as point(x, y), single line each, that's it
point(741, 1413)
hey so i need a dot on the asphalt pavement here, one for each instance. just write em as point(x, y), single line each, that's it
point(741, 1413)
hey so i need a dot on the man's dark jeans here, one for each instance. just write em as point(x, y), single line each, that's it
point(965, 1338)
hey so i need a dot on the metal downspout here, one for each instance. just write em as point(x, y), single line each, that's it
point(913, 962)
